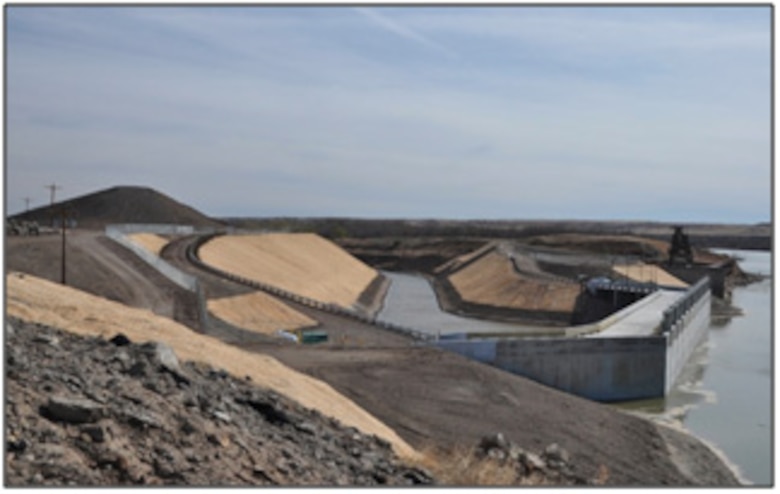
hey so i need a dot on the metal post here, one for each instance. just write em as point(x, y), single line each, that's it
point(52, 188)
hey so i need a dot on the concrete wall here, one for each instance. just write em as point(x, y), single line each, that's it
point(693, 273)
point(160, 229)
point(599, 368)
point(603, 369)
point(184, 280)
point(685, 336)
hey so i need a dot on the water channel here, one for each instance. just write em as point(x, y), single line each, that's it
point(724, 394)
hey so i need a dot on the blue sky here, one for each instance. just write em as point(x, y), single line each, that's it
point(655, 113)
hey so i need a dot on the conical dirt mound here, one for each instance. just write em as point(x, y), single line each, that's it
point(124, 204)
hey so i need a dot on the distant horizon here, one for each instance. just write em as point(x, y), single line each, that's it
point(391, 218)
point(657, 112)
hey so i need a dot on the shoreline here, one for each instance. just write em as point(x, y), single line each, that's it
point(694, 457)
point(671, 433)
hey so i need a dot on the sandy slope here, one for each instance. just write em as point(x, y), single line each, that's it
point(255, 311)
point(149, 241)
point(301, 263)
point(646, 273)
point(258, 312)
point(492, 280)
point(37, 300)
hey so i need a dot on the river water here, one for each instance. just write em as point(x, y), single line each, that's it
point(724, 394)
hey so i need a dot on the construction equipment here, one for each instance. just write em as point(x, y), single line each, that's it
point(680, 251)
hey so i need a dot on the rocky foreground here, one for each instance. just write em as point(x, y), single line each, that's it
point(86, 411)
point(90, 411)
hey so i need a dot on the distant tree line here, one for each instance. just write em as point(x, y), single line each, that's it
point(335, 228)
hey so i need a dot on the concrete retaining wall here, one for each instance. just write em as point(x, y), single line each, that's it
point(601, 368)
point(604, 369)
point(182, 279)
point(160, 229)
point(190, 283)
point(685, 336)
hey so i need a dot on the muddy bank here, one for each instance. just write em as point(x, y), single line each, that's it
point(432, 397)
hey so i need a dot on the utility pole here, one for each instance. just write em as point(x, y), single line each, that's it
point(64, 225)
point(26, 204)
point(52, 188)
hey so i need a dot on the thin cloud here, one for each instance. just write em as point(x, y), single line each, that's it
point(404, 32)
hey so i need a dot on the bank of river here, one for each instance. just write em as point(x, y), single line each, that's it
point(723, 395)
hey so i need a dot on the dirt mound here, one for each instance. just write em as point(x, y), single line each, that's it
point(493, 281)
point(648, 273)
point(302, 263)
point(124, 204)
point(259, 312)
point(36, 300)
point(91, 411)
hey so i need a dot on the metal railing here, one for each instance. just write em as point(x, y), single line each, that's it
point(192, 256)
point(678, 310)
point(622, 286)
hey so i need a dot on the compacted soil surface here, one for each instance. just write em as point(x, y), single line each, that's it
point(432, 397)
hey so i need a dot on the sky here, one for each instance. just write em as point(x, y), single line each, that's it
point(458, 112)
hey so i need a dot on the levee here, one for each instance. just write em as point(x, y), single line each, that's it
point(610, 366)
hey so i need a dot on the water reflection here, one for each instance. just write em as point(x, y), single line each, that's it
point(411, 302)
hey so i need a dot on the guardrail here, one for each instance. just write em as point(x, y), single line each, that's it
point(192, 257)
point(679, 309)
point(622, 286)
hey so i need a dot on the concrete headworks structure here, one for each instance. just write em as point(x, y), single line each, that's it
point(636, 353)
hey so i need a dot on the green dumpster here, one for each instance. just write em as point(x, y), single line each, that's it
point(311, 337)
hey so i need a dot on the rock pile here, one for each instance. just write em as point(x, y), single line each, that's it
point(90, 411)
point(550, 467)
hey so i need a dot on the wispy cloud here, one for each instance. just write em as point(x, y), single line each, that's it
point(558, 112)
point(405, 32)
